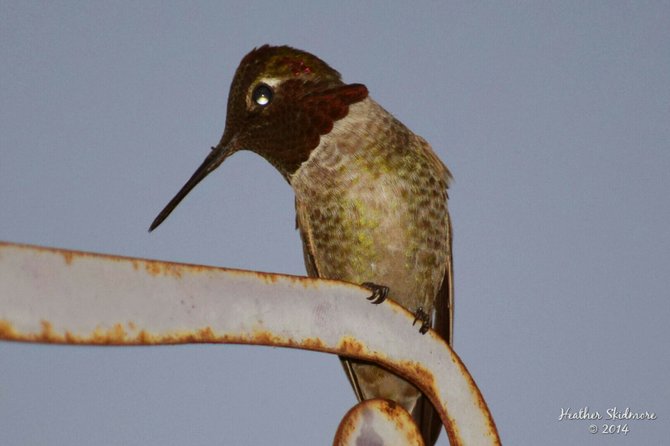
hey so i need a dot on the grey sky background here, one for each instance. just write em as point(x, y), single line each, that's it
point(554, 119)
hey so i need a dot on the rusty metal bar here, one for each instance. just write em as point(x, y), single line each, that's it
point(70, 297)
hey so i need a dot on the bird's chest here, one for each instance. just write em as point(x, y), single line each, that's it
point(352, 214)
point(371, 207)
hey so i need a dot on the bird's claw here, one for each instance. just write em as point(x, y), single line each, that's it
point(420, 315)
point(379, 292)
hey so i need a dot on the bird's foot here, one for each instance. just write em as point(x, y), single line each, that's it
point(420, 315)
point(379, 292)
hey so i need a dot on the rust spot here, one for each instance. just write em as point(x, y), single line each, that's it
point(314, 344)
point(267, 278)
point(269, 338)
point(206, 335)
point(162, 269)
point(351, 345)
point(48, 334)
point(388, 407)
point(402, 420)
point(233, 339)
point(144, 337)
point(10, 333)
point(369, 416)
point(114, 335)
point(424, 376)
point(7, 331)
point(70, 338)
point(202, 335)
point(347, 427)
point(67, 256)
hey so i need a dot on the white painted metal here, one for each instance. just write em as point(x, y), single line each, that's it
point(53, 295)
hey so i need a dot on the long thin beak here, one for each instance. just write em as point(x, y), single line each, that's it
point(213, 160)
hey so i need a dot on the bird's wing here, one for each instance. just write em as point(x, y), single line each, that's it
point(424, 413)
point(444, 301)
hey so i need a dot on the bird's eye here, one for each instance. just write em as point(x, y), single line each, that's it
point(262, 95)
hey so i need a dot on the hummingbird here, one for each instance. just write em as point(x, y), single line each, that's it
point(370, 195)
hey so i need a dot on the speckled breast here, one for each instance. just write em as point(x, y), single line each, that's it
point(371, 205)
